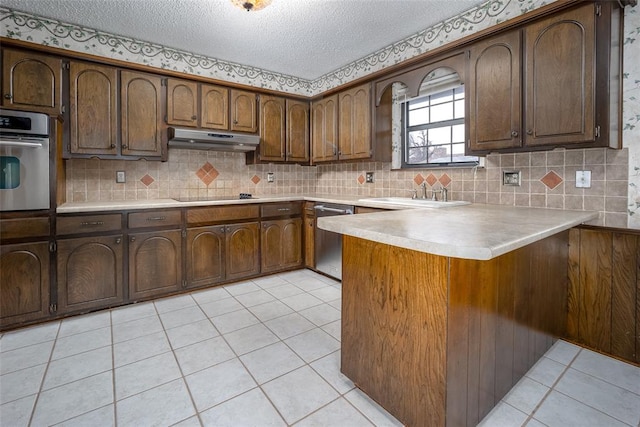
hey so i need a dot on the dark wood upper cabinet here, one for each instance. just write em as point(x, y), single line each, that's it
point(93, 90)
point(214, 107)
point(354, 126)
point(243, 111)
point(141, 114)
point(558, 90)
point(324, 129)
point(31, 81)
point(560, 78)
point(297, 131)
point(495, 96)
point(273, 142)
point(182, 102)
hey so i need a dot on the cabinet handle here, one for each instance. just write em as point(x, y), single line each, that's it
point(7, 96)
point(283, 209)
point(132, 239)
point(91, 223)
point(194, 117)
point(529, 132)
point(118, 240)
point(156, 218)
point(514, 133)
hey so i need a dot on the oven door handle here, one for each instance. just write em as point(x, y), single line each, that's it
point(20, 144)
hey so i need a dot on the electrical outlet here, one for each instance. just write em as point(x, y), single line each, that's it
point(270, 177)
point(120, 177)
point(511, 178)
point(583, 179)
point(368, 177)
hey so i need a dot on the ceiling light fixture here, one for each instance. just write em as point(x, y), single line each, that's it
point(250, 5)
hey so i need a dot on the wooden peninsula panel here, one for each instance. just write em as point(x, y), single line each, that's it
point(439, 340)
point(604, 291)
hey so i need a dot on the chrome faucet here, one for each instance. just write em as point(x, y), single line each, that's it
point(445, 194)
point(433, 195)
point(423, 187)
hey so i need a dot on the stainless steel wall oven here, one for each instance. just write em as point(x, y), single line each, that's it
point(24, 161)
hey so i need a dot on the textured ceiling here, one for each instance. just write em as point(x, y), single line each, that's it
point(302, 38)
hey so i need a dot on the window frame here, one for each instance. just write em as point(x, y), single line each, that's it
point(405, 130)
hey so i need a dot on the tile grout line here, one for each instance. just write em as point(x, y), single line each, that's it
point(113, 372)
point(44, 375)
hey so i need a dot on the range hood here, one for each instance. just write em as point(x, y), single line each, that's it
point(196, 139)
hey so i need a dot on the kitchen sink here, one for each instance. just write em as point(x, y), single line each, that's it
point(415, 203)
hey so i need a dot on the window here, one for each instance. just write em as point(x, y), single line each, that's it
point(433, 130)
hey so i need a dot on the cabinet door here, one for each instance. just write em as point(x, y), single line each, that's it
point(272, 129)
point(243, 250)
point(324, 136)
point(560, 78)
point(309, 242)
point(89, 273)
point(24, 282)
point(93, 91)
point(155, 263)
point(205, 256)
point(297, 131)
point(243, 111)
point(495, 93)
point(141, 109)
point(182, 102)
point(281, 244)
point(214, 107)
point(354, 128)
point(31, 81)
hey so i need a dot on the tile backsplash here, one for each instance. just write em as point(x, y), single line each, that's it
point(548, 180)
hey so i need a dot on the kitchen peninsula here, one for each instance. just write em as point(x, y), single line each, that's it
point(444, 310)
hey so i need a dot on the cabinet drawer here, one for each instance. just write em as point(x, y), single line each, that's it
point(88, 224)
point(24, 227)
point(280, 209)
point(155, 219)
point(221, 214)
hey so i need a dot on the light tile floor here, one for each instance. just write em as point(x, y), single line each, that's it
point(264, 352)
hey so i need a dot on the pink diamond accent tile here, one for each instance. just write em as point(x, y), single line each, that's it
point(361, 179)
point(147, 180)
point(418, 179)
point(445, 180)
point(207, 173)
point(551, 180)
point(431, 179)
point(255, 179)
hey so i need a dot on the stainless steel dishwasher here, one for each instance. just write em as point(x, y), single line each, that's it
point(329, 244)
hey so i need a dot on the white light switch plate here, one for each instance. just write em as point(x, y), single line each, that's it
point(583, 179)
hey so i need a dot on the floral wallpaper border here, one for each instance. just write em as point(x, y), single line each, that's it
point(45, 31)
point(41, 30)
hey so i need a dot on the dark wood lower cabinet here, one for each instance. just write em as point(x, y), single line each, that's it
point(90, 273)
point(281, 244)
point(24, 282)
point(205, 256)
point(604, 291)
point(155, 263)
point(242, 250)
point(439, 341)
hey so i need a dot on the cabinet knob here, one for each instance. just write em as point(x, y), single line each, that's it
point(514, 133)
point(194, 117)
point(113, 145)
point(118, 240)
point(235, 122)
point(529, 132)
point(124, 146)
point(7, 96)
point(132, 239)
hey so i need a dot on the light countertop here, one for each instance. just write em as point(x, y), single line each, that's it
point(475, 231)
